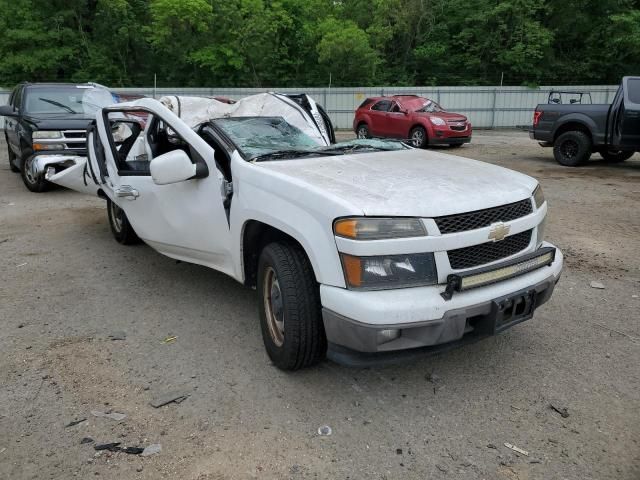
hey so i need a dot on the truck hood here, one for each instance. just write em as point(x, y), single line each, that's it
point(59, 121)
point(448, 116)
point(414, 183)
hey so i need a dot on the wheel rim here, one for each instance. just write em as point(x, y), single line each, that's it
point(116, 217)
point(273, 306)
point(363, 132)
point(569, 148)
point(29, 172)
point(417, 137)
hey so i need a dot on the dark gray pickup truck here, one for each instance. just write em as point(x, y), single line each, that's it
point(575, 131)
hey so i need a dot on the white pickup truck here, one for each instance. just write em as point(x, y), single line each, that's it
point(358, 250)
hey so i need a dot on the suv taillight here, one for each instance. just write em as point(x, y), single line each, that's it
point(536, 117)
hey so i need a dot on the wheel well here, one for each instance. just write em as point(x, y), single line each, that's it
point(570, 127)
point(255, 237)
point(426, 132)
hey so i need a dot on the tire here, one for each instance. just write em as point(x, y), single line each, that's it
point(121, 229)
point(34, 182)
point(12, 158)
point(572, 149)
point(418, 137)
point(289, 296)
point(363, 131)
point(615, 156)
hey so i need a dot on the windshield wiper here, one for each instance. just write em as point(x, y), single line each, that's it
point(58, 104)
point(282, 154)
point(352, 148)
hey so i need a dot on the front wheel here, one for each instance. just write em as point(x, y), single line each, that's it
point(572, 149)
point(122, 230)
point(290, 313)
point(615, 156)
point(34, 181)
point(418, 137)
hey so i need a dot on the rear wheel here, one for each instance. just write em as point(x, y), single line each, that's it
point(122, 230)
point(290, 313)
point(363, 131)
point(572, 149)
point(418, 137)
point(615, 156)
point(33, 180)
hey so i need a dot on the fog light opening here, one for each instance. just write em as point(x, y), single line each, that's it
point(386, 336)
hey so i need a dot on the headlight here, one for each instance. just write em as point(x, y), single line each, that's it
point(540, 236)
point(538, 196)
point(437, 121)
point(47, 134)
point(389, 271)
point(378, 228)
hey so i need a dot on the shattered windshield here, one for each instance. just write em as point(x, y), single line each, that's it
point(67, 99)
point(255, 136)
point(273, 138)
point(429, 107)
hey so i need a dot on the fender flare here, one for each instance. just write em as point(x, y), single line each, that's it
point(579, 118)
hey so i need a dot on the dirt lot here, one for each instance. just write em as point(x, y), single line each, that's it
point(67, 286)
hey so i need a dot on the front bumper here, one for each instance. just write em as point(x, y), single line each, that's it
point(41, 162)
point(354, 320)
point(450, 137)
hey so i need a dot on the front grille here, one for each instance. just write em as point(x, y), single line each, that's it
point(75, 139)
point(477, 255)
point(483, 218)
point(457, 125)
point(74, 133)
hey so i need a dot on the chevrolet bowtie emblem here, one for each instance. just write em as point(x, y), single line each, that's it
point(499, 231)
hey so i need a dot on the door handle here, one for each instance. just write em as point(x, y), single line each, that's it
point(126, 191)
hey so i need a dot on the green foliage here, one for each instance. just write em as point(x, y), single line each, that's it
point(279, 43)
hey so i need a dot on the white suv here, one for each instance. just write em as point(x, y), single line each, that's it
point(360, 250)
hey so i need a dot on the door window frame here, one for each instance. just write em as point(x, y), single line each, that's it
point(201, 165)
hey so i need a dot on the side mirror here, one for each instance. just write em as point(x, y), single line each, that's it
point(8, 111)
point(172, 167)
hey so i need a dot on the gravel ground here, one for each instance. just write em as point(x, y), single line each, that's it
point(67, 286)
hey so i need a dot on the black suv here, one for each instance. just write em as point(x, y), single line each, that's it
point(45, 126)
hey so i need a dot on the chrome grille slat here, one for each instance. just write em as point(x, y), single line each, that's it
point(483, 218)
point(488, 252)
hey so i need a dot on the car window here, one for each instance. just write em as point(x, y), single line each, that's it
point(138, 138)
point(633, 85)
point(382, 106)
point(395, 108)
point(17, 98)
point(67, 99)
point(255, 136)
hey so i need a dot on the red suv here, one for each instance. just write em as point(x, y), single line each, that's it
point(418, 119)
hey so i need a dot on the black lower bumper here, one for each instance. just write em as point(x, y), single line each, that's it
point(449, 140)
point(358, 342)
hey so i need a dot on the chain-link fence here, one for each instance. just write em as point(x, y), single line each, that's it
point(486, 107)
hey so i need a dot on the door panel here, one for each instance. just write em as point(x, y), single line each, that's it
point(630, 115)
point(11, 123)
point(378, 115)
point(184, 220)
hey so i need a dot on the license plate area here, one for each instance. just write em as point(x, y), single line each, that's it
point(512, 309)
